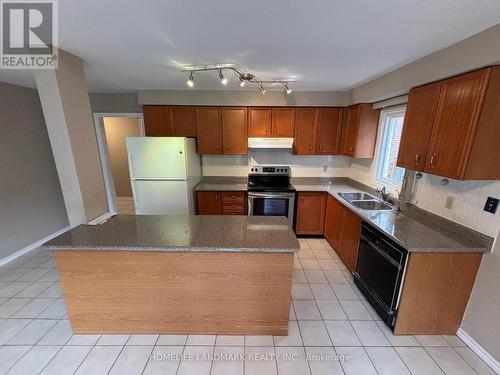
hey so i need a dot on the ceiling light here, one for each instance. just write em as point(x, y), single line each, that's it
point(190, 81)
point(287, 89)
point(262, 90)
point(223, 79)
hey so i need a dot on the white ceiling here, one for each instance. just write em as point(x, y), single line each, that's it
point(324, 45)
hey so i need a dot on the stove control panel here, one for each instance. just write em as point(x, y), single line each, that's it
point(283, 170)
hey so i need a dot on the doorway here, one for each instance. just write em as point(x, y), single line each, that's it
point(111, 131)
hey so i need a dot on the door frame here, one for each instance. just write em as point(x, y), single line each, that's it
point(104, 152)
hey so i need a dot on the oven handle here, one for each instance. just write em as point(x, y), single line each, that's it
point(271, 195)
point(380, 251)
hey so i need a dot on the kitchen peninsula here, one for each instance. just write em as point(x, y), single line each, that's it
point(178, 274)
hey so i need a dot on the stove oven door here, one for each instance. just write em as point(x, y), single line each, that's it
point(271, 204)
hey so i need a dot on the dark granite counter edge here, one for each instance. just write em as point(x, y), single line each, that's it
point(172, 249)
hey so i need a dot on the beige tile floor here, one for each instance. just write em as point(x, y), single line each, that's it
point(332, 330)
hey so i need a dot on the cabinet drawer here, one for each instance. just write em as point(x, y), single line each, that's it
point(233, 209)
point(233, 197)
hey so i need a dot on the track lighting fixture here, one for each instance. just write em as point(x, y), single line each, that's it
point(223, 79)
point(190, 81)
point(287, 89)
point(242, 76)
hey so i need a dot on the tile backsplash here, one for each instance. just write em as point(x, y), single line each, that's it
point(301, 166)
point(469, 198)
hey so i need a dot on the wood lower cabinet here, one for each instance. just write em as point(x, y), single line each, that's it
point(417, 128)
point(221, 203)
point(234, 131)
point(209, 203)
point(310, 216)
point(435, 292)
point(360, 131)
point(342, 230)
point(156, 121)
point(183, 121)
point(209, 130)
point(233, 203)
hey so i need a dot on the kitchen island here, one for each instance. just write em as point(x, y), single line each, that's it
point(178, 275)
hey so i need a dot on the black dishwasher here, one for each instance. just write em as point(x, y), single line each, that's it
point(379, 272)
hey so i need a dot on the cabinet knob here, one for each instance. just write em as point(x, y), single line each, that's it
point(310, 148)
point(433, 159)
point(417, 159)
point(351, 148)
point(321, 148)
point(227, 147)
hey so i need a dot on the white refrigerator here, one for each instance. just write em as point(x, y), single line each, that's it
point(163, 174)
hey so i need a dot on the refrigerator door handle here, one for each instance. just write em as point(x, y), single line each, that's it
point(158, 179)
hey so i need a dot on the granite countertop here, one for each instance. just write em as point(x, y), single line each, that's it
point(415, 229)
point(217, 183)
point(182, 233)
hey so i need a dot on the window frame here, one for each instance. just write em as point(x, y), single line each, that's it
point(380, 149)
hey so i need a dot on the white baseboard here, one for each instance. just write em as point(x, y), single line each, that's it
point(479, 350)
point(33, 246)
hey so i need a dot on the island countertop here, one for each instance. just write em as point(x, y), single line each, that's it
point(181, 233)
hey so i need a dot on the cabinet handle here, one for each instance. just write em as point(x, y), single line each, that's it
point(310, 148)
point(433, 158)
point(417, 159)
point(351, 148)
point(227, 147)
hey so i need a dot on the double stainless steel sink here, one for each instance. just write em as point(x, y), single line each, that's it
point(365, 201)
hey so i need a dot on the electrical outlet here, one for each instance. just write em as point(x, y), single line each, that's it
point(449, 202)
point(491, 205)
point(325, 168)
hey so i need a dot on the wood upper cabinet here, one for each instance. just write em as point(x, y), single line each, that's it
point(209, 203)
point(349, 242)
point(305, 131)
point(461, 114)
point(310, 213)
point(183, 121)
point(209, 130)
point(360, 131)
point(156, 120)
point(334, 217)
point(417, 128)
point(329, 130)
point(282, 122)
point(234, 131)
point(259, 122)
point(458, 111)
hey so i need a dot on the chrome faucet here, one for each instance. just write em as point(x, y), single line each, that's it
point(384, 195)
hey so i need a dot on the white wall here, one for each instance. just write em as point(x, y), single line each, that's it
point(301, 166)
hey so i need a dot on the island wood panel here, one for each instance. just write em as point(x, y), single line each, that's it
point(176, 292)
point(435, 292)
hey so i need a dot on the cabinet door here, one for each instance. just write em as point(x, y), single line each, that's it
point(209, 130)
point(457, 115)
point(183, 120)
point(351, 231)
point(283, 122)
point(329, 129)
point(156, 120)
point(305, 131)
point(234, 131)
point(209, 203)
point(310, 213)
point(334, 218)
point(259, 122)
point(417, 127)
point(351, 129)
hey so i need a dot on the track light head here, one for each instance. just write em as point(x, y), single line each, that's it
point(241, 82)
point(287, 89)
point(223, 79)
point(190, 81)
point(262, 90)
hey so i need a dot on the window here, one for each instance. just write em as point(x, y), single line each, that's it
point(386, 171)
